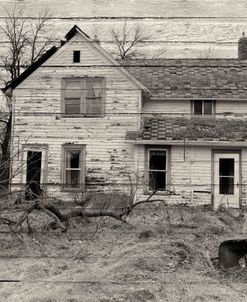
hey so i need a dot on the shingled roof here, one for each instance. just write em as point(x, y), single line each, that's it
point(192, 78)
point(193, 129)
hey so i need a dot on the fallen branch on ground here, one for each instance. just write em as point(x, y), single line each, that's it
point(61, 220)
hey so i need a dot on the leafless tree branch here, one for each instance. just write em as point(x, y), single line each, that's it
point(127, 38)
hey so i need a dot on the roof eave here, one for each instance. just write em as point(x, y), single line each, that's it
point(208, 143)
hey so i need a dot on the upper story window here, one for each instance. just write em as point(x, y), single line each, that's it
point(83, 96)
point(203, 107)
point(76, 56)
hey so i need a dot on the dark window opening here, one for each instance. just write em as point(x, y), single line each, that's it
point(198, 107)
point(157, 170)
point(226, 175)
point(33, 189)
point(208, 107)
point(76, 56)
point(202, 107)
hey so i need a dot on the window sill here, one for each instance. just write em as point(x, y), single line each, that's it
point(81, 116)
point(193, 115)
point(159, 193)
point(77, 190)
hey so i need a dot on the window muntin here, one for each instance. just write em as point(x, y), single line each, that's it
point(203, 107)
point(157, 169)
point(83, 96)
point(73, 168)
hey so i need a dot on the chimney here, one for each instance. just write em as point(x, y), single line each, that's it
point(242, 47)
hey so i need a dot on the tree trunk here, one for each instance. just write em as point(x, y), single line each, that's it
point(5, 161)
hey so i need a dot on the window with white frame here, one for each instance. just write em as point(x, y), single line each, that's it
point(73, 167)
point(203, 107)
point(83, 96)
point(157, 169)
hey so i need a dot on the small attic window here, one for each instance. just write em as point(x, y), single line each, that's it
point(76, 56)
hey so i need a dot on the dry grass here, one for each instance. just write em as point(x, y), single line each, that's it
point(165, 257)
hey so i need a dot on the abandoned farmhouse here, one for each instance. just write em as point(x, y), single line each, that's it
point(85, 121)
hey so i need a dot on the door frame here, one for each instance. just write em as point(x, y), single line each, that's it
point(44, 163)
point(226, 151)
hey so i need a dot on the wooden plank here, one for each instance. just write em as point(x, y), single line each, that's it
point(136, 8)
point(181, 28)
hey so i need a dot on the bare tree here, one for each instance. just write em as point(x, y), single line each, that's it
point(127, 38)
point(27, 41)
point(158, 54)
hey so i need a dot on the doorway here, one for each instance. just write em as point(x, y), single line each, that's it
point(33, 175)
point(226, 179)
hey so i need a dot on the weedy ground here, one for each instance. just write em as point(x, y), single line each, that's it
point(165, 256)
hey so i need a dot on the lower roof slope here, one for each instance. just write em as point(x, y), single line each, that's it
point(193, 129)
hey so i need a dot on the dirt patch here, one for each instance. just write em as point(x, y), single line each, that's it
point(159, 259)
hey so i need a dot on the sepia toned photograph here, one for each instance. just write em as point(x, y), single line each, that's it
point(123, 150)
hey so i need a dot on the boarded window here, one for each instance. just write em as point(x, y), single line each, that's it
point(157, 169)
point(83, 96)
point(73, 168)
point(203, 107)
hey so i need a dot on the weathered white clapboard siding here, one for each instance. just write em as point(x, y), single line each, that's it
point(190, 175)
point(237, 107)
point(39, 120)
point(167, 106)
point(222, 107)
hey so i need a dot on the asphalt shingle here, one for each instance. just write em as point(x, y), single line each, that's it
point(194, 129)
point(191, 78)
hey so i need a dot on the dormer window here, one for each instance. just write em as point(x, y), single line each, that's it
point(83, 96)
point(76, 56)
point(202, 107)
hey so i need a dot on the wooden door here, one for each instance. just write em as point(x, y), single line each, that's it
point(226, 180)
